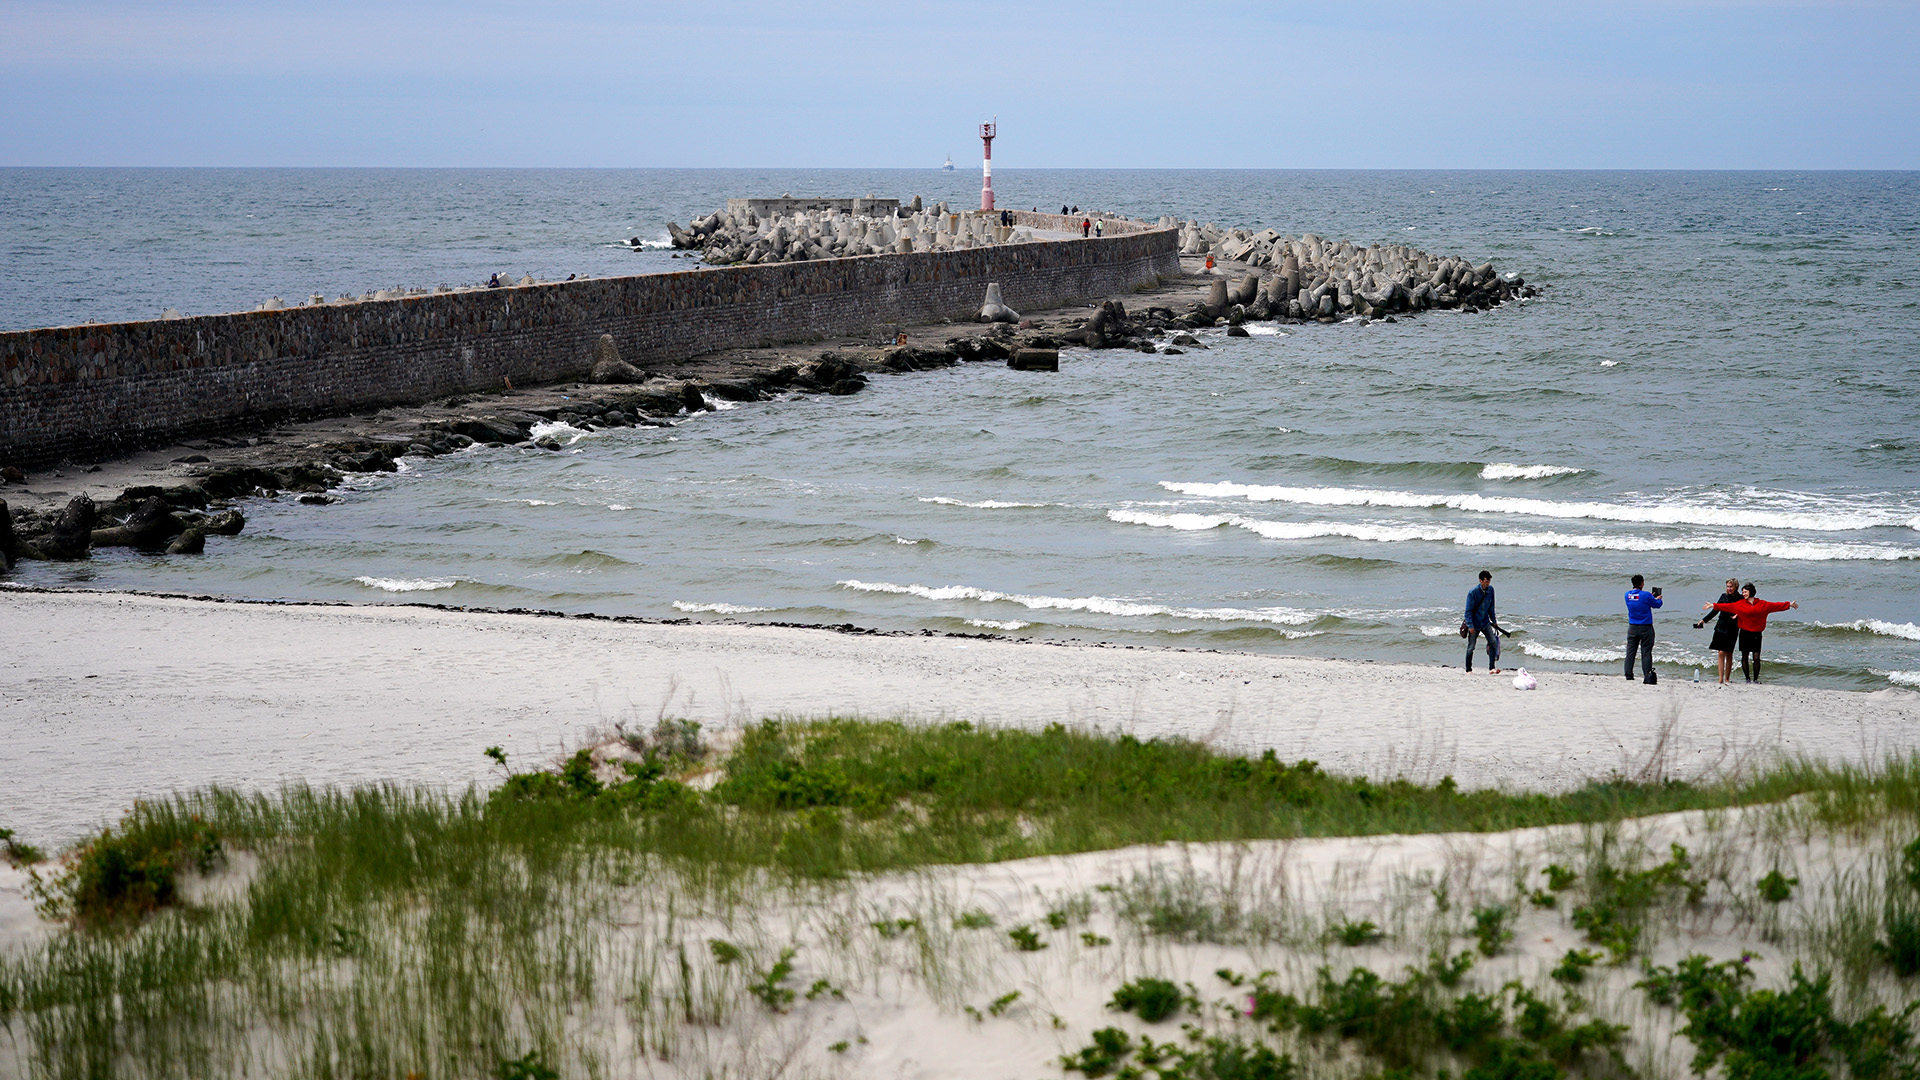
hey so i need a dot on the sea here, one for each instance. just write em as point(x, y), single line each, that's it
point(1721, 378)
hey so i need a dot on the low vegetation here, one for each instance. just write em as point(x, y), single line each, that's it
point(402, 932)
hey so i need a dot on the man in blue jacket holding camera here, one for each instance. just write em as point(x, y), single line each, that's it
point(1480, 619)
point(1640, 605)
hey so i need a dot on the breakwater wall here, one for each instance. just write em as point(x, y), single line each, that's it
point(94, 391)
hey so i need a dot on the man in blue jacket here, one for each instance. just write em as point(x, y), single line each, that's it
point(1640, 605)
point(1480, 619)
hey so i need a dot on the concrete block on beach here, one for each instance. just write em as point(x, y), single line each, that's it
point(1035, 360)
point(995, 308)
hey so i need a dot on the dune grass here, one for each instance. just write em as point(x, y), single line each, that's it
point(402, 932)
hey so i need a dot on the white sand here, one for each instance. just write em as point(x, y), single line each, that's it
point(105, 698)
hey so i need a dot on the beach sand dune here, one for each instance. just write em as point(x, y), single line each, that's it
point(105, 698)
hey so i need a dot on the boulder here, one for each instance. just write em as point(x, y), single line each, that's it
point(72, 535)
point(190, 542)
point(12, 475)
point(227, 523)
point(1035, 360)
point(1236, 330)
point(150, 526)
point(995, 309)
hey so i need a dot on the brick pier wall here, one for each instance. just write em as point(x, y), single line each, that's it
point(90, 392)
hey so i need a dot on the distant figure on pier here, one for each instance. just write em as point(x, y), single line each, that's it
point(1100, 228)
point(1076, 208)
point(493, 282)
point(1063, 211)
point(1086, 227)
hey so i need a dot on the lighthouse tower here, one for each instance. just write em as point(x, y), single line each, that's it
point(986, 165)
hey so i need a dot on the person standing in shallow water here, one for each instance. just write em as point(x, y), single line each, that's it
point(1726, 630)
point(1751, 612)
point(1640, 605)
point(1480, 619)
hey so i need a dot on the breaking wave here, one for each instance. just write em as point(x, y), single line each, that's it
point(999, 624)
point(1665, 514)
point(1903, 678)
point(717, 609)
point(1876, 626)
point(984, 504)
point(1307, 530)
point(400, 585)
point(1506, 470)
point(1099, 605)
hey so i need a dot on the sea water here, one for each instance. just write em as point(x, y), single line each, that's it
point(1723, 380)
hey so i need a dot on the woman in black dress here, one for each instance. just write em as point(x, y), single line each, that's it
point(1725, 630)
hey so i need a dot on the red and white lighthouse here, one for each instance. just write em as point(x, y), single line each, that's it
point(986, 166)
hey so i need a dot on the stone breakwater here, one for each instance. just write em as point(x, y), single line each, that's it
point(738, 234)
point(92, 392)
point(1312, 278)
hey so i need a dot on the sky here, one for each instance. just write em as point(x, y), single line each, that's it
point(1448, 84)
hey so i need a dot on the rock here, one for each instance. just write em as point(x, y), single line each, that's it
point(12, 475)
point(319, 500)
point(227, 523)
point(1236, 330)
point(239, 480)
point(692, 399)
point(852, 384)
point(150, 526)
point(190, 542)
point(191, 459)
point(548, 442)
point(1035, 360)
point(995, 309)
point(72, 534)
point(1185, 339)
point(1171, 351)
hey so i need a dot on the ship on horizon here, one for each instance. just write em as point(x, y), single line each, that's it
point(948, 167)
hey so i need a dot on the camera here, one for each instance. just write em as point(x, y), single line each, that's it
point(1656, 590)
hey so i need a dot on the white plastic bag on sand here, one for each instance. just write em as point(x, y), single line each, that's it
point(1524, 681)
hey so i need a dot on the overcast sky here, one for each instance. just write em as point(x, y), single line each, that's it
point(1227, 84)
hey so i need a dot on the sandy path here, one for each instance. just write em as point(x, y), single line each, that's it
point(107, 697)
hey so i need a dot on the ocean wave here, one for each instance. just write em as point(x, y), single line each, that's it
point(400, 585)
point(1876, 626)
point(999, 624)
point(558, 429)
point(1439, 631)
point(1505, 470)
point(910, 542)
point(1568, 655)
point(1308, 530)
point(1099, 605)
point(1902, 678)
point(985, 504)
point(1665, 514)
point(717, 609)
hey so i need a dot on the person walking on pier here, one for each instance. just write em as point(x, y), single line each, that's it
point(1726, 630)
point(1751, 613)
point(1480, 619)
point(1086, 227)
point(1640, 605)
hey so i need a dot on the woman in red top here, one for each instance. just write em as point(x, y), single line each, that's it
point(1751, 613)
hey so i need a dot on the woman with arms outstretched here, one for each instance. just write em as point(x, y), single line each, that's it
point(1751, 613)
point(1726, 631)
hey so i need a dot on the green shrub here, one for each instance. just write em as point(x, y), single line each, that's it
point(1572, 968)
point(1559, 878)
point(1776, 887)
point(1355, 934)
point(1153, 1000)
point(135, 870)
point(972, 920)
point(1026, 939)
point(770, 985)
point(1492, 928)
point(1620, 900)
point(1900, 945)
point(18, 852)
point(531, 1066)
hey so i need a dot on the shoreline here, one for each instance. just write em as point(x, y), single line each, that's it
point(125, 696)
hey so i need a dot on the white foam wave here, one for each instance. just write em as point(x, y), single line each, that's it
point(1568, 655)
point(1609, 363)
point(999, 624)
point(715, 404)
point(559, 429)
point(1660, 514)
point(400, 585)
point(1903, 678)
point(1876, 626)
point(985, 504)
point(1309, 530)
point(910, 542)
point(1439, 631)
point(1506, 470)
point(717, 609)
point(1256, 330)
point(1099, 605)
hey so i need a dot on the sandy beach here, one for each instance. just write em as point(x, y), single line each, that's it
point(111, 697)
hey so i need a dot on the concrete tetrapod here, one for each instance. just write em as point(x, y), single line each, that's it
point(995, 309)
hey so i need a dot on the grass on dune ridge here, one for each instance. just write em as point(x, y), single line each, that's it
point(475, 922)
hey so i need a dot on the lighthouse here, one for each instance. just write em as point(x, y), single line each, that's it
point(986, 165)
